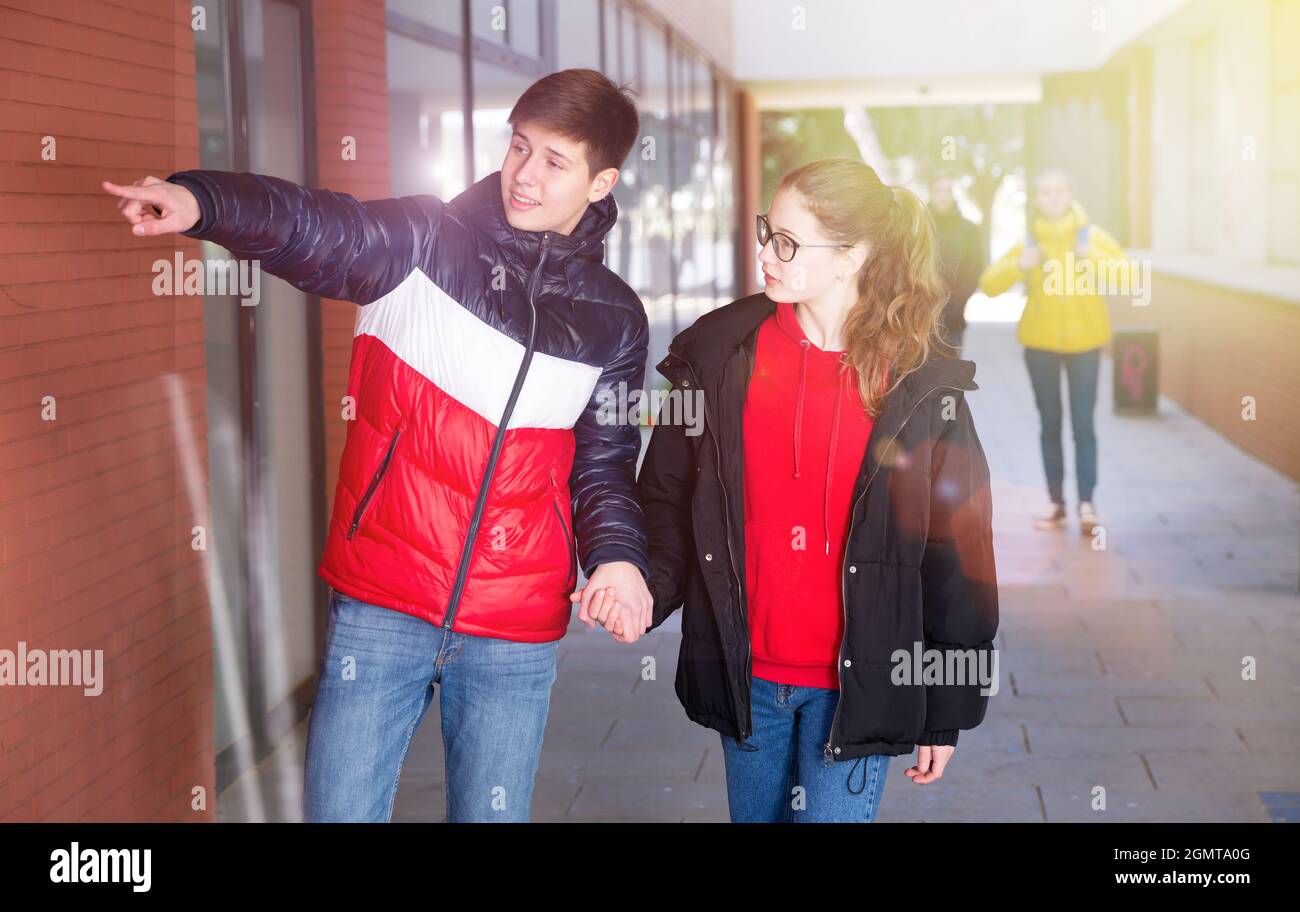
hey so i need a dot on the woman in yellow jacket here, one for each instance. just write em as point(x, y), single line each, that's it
point(1065, 322)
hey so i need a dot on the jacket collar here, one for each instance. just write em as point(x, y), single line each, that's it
point(1064, 227)
point(708, 343)
point(480, 206)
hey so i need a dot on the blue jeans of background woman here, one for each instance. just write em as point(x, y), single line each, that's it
point(1081, 371)
point(780, 775)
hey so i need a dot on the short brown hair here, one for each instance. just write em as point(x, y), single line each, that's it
point(585, 106)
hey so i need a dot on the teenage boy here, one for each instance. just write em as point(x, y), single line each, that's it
point(489, 337)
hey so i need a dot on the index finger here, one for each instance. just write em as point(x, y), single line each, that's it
point(148, 194)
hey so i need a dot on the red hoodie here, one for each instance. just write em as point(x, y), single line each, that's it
point(806, 434)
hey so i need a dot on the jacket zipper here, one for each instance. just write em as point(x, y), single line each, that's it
point(374, 483)
point(568, 536)
point(844, 594)
point(731, 559)
point(462, 571)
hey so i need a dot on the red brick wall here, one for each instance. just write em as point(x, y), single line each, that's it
point(1218, 345)
point(95, 515)
point(351, 100)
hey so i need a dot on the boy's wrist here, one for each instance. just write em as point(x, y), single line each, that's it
point(203, 203)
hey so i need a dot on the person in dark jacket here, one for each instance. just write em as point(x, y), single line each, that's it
point(961, 259)
point(828, 536)
point(489, 339)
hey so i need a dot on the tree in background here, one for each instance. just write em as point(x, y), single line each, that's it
point(985, 142)
point(794, 138)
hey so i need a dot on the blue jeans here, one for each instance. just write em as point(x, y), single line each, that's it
point(1081, 371)
point(780, 775)
point(375, 685)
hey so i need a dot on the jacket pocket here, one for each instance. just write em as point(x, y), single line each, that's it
point(568, 534)
point(378, 476)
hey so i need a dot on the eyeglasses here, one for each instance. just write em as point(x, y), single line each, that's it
point(784, 246)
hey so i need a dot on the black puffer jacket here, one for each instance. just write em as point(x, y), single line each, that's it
point(918, 571)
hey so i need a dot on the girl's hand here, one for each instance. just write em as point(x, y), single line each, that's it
point(1029, 258)
point(930, 763)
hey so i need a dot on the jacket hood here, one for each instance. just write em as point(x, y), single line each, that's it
point(481, 208)
point(713, 338)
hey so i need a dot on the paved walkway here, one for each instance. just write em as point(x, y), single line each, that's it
point(1120, 669)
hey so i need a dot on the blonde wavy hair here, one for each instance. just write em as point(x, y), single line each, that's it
point(890, 331)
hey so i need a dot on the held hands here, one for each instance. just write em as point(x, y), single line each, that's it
point(154, 207)
point(616, 597)
point(930, 763)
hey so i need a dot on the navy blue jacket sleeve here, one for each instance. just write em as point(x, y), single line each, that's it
point(322, 242)
point(608, 520)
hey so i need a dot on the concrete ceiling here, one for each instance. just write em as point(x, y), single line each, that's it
point(927, 51)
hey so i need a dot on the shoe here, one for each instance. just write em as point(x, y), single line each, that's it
point(1053, 520)
point(1088, 519)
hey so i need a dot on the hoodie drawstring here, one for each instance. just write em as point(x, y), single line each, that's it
point(830, 462)
point(835, 433)
point(798, 403)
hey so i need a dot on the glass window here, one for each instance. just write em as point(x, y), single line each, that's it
point(702, 179)
point(654, 203)
point(225, 449)
point(490, 19)
point(621, 252)
point(613, 46)
point(630, 33)
point(724, 193)
point(1284, 150)
point(495, 92)
point(1201, 191)
point(686, 90)
point(577, 33)
point(426, 122)
point(702, 96)
point(694, 228)
point(442, 14)
point(523, 26)
point(654, 92)
point(284, 562)
point(213, 85)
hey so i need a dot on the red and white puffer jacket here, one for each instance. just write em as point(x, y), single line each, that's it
point(483, 365)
